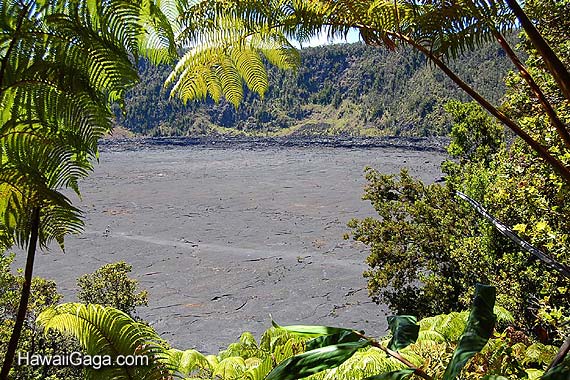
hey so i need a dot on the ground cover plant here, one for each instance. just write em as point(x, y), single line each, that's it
point(438, 347)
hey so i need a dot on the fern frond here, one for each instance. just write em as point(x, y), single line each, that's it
point(189, 363)
point(107, 331)
point(258, 371)
point(228, 43)
point(230, 368)
point(62, 64)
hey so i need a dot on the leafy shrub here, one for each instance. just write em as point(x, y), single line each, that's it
point(111, 285)
point(427, 248)
point(43, 294)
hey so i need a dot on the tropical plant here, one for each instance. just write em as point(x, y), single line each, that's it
point(111, 285)
point(322, 352)
point(227, 39)
point(335, 345)
point(32, 341)
point(62, 64)
point(108, 333)
point(425, 232)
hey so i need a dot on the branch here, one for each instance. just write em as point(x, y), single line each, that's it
point(554, 119)
point(508, 232)
point(535, 145)
point(553, 63)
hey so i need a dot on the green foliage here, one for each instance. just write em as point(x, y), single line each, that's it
point(43, 294)
point(62, 64)
point(350, 88)
point(504, 355)
point(394, 375)
point(223, 34)
point(346, 336)
point(103, 330)
point(225, 53)
point(404, 331)
point(560, 372)
point(477, 332)
point(414, 239)
point(475, 136)
point(315, 361)
point(439, 30)
point(111, 285)
point(424, 233)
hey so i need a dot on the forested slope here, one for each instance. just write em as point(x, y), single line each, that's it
point(347, 88)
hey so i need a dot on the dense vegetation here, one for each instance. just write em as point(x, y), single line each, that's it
point(349, 88)
point(63, 65)
point(109, 285)
point(428, 248)
point(320, 352)
point(424, 232)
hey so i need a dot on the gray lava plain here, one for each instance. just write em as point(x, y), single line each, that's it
point(222, 237)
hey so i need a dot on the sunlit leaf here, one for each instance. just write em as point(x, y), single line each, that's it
point(314, 361)
point(311, 330)
point(394, 375)
point(336, 338)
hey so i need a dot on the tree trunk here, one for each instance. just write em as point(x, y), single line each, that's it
point(25, 296)
point(541, 150)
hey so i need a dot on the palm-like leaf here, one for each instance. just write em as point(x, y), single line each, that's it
point(184, 364)
point(62, 64)
point(227, 39)
point(227, 44)
point(107, 331)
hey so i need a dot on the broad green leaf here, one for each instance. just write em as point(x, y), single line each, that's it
point(314, 361)
point(394, 375)
point(477, 332)
point(311, 330)
point(337, 338)
point(404, 331)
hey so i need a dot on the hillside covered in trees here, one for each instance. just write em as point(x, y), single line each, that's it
point(348, 88)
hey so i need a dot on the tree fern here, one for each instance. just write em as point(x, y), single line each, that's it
point(62, 64)
point(214, 29)
point(226, 50)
